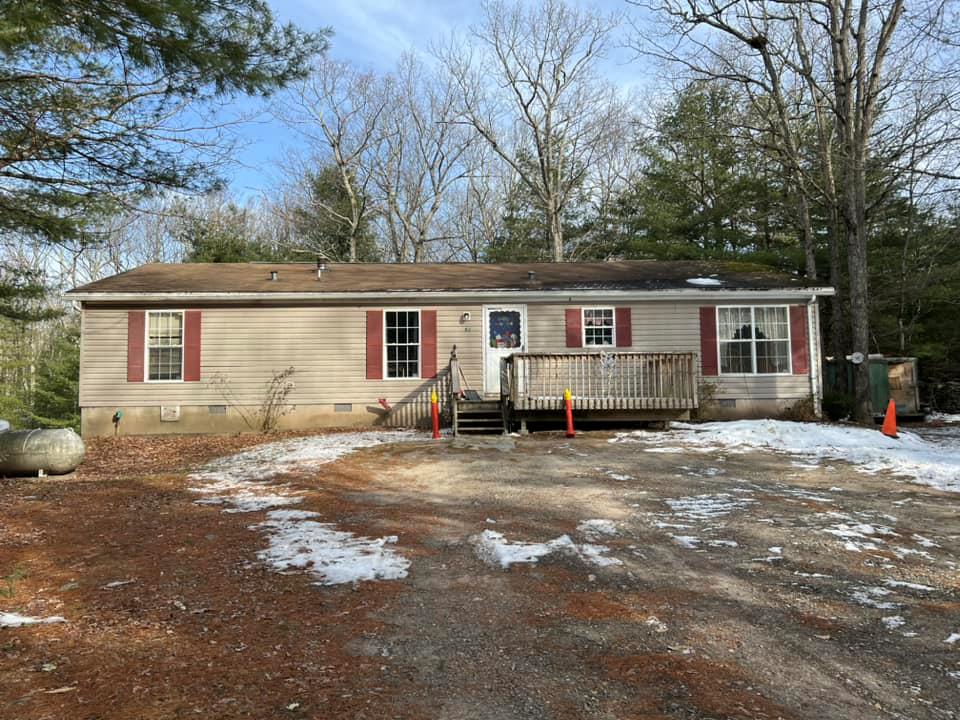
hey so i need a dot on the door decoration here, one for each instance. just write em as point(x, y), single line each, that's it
point(505, 329)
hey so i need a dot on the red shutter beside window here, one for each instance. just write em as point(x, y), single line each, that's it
point(135, 339)
point(624, 328)
point(191, 346)
point(708, 341)
point(428, 343)
point(574, 329)
point(798, 340)
point(374, 345)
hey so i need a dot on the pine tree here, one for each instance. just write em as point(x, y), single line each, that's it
point(55, 402)
point(96, 100)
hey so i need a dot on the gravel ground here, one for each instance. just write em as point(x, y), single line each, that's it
point(732, 586)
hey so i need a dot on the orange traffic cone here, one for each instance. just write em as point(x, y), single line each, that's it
point(890, 420)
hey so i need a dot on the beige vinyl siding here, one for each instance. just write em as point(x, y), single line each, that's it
point(665, 327)
point(326, 346)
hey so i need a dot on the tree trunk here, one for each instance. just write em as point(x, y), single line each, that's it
point(838, 314)
point(806, 233)
point(856, 235)
point(556, 232)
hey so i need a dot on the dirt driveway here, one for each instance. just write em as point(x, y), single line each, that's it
point(535, 578)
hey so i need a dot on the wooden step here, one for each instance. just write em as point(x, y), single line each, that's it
point(471, 408)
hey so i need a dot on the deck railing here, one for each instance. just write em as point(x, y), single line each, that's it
point(600, 380)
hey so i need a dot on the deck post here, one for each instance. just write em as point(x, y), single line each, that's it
point(454, 370)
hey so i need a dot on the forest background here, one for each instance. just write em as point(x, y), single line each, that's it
point(819, 138)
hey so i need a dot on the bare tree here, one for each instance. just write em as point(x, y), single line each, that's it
point(529, 87)
point(475, 206)
point(853, 62)
point(420, 159)
point(339, 110)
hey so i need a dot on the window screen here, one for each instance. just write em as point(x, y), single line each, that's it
point(753, 340)
point(598, 326)
point(165, 345)
point(402, 328)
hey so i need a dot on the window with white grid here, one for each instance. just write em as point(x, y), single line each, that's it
point(402, 329)
point(165, 345)
point(598, 326)
point(754, 340)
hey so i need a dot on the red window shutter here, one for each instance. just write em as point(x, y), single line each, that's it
point(708, 341)
point(574, 329)
point(624, 328)
point(135, 338)
point(798, 340)
point(374, 345)
point(191, 346)
point(428, 343)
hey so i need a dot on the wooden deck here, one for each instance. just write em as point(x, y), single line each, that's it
point(600, 381)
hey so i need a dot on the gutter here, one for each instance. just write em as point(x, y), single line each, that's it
point(813, 342)
point(560, 296)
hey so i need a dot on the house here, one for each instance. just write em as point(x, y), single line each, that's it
point(192, 348)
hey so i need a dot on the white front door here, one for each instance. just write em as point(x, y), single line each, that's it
point(504, 333)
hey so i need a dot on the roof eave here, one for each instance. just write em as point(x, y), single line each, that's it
point(592, 295)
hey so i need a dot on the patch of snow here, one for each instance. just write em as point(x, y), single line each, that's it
point(492, 547)
point(858, 536)
point(893, 622)
point(598, 528)
point(910, 455)
point(722, 543)
point(705, 281)
point(943, 417)
point(908, 585)
point(923, 542)
point(902, 552)
point(248, 502)
point(868, 596)
point(952, 638)
point(675, 526)
point(242, 483)
point(707, 507)
point(116, 584)
point(242, 480)
point(656, 623)
point(687, 541)
point(15, 620)
point(333, 556)
point(296, 455)
point(596, 555)
point(293, 515)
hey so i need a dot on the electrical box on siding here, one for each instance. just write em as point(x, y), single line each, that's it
point(169, 413)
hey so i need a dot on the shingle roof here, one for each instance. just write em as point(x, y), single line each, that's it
point(381, 278)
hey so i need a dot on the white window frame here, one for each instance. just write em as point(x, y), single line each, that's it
point(583, 327)
point(386, 366)
point(753, 342)
point(146, 344)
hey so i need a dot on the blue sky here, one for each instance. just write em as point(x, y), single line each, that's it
point(372, 34)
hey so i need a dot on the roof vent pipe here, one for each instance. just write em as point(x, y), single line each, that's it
point(274, 276)
point(321, 266)
point(531, 275)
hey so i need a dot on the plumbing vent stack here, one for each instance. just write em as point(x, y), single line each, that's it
point(274, 276)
